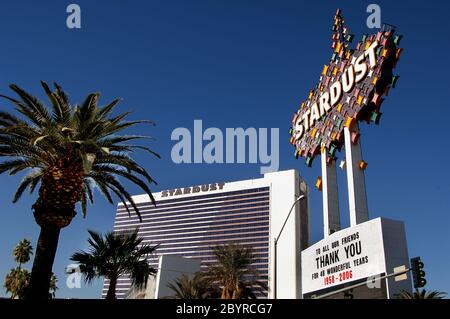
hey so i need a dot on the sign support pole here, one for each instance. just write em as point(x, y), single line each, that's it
point(330, 197)
point(355, 177)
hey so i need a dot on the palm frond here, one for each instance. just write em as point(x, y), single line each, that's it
point(58, 138)
point(116, 254)
point(30, 181)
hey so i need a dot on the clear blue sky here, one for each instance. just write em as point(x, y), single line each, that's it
point(237, 64)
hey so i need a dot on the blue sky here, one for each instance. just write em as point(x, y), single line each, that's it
point(237, 64)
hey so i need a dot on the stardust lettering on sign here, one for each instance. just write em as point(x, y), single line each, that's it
point(352, 75)
point(350, 89)
point(192, 190)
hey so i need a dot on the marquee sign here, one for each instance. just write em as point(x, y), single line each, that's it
point(350, 89)
point(351, 254)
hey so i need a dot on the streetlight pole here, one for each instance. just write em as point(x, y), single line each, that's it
point(275, 246)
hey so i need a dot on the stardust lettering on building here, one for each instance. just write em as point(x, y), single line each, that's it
point(192, 190)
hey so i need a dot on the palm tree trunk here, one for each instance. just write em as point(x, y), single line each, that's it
point(226, 293)
point(41, 272)
point(111, 295)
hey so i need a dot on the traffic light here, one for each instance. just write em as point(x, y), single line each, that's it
point(417, 272)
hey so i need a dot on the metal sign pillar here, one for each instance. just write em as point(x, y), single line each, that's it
point(355, 177)
point(330, 196)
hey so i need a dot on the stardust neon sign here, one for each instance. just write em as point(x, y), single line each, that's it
point(350, 89)
point(352, 75)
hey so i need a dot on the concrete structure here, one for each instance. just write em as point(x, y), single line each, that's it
point(357, 196)
point(330, 195)
point(355, 178)
point(188, 221)
point(170, 268)
point(147, 292)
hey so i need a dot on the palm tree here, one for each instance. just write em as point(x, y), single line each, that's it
point(114, 255)
point(421, 294)
point(194, 287)
point(233, 272)
point(22, 252)
point(53, 287)
point(18, 279)
point(68, 150)
point(16, 282)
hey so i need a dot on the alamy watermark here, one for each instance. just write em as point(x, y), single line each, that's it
point(374, 19)
point(73, 20)
point(74, 276)
point(228, 147)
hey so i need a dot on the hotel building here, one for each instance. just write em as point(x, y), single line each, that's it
point(188, 221)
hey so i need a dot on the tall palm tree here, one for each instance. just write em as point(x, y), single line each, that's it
point(194, 287)
point(233, 272)
point(421, 294)
point(68, 150)
point(16, 282)
point(22, 252)
point(114, 255)
point(18, 279)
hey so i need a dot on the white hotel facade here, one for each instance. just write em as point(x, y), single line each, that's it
point(188, 221)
